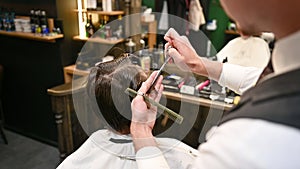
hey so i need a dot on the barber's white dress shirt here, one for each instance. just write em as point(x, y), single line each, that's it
point(239, 78)
point(247, 59)
point(107, 150)
point(252, 143)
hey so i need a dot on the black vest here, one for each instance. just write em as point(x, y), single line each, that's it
point(276, 100)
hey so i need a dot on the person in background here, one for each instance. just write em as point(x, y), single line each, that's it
point(263, 130)
point(113, 148)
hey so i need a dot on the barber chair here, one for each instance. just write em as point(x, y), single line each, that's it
point(251, 51)
point(1, 108)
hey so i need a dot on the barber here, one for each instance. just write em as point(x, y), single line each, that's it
point(235, 77)
point(263, 131)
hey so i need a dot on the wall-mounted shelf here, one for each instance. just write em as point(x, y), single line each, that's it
point(82, 11)
point(231, 32)
point(98, 40)
point(108, 13)
point(32, 36)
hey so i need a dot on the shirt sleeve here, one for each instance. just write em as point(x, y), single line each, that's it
point(151, 157)
point(239, 78)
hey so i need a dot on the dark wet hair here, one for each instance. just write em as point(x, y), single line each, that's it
point(107, 82)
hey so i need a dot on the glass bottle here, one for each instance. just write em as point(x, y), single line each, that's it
point(89, 27)
point(38, 28)
point(91, 5)
point(161, 53)
point(44, 23)
point(32, 21)
point(6, 25)
point(155, 60)
point(1, 21)
point(130, 46)
point(12, 21)
point(43, 20)
point(146, 60)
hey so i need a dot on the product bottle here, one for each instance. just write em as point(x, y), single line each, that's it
point(43, 20)
point(91, 5)
point(101, 22)
point(38, 28)
point(107, 5)
point(1, 21)
point(99, 5)
point(12, 21)
point(32, 21)
point(155, 60)
point(146, 60)
point(117, 5)
point(108, 32)
point(161, 53)
point(6, 23)
point(89, 27)
point(44, 23)
point(130, 46)
point(101, 27)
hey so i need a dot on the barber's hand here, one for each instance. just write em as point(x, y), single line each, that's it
point(186, 58)
point(144, 114)
point(183, 53)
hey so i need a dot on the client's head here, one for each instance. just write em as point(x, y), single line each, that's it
point(108, 81)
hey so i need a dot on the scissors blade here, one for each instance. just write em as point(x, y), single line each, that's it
point(158, 74)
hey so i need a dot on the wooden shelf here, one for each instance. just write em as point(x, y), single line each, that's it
point(231, 32)
point(98, 40)
point(111, 13)
point(32, 36)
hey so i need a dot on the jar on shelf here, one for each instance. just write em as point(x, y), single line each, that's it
point(130, 46)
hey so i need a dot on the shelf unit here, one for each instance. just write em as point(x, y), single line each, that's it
point(81, 11)
point(98, 39)
point(152, 26)
point(32, 36)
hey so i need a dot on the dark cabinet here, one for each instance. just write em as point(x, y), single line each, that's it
point(32, 66)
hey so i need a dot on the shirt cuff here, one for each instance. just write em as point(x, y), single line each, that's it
point(151, 157)
point(239, 78)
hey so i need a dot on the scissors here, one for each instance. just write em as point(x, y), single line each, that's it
point(160, 70)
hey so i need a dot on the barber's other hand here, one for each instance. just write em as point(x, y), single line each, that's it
point(144, 114)
point(183, 53)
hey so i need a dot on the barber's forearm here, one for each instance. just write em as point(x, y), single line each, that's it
point(208, 68)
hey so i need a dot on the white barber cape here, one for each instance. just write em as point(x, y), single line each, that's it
point(105, 149)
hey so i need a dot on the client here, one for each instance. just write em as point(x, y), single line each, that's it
point(113, 148)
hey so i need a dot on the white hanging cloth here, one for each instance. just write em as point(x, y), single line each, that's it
point(164, 20)
point(196, 16)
